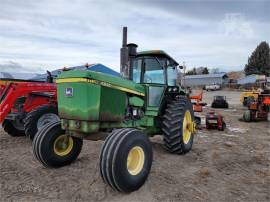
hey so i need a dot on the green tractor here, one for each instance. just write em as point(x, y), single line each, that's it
point(145, 102)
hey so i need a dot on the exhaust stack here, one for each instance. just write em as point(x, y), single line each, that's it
point(128, 53)
point(124, 56)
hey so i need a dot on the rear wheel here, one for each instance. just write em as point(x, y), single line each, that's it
point(13, 128)
point(126, 159)
point(178, 126)
point(53, 148)
point(38, 118)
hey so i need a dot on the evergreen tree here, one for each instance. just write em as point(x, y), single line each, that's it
point(259, 61)
point(205, 71)
point(191, 72)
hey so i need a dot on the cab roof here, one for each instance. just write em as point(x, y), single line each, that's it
point(157, 53)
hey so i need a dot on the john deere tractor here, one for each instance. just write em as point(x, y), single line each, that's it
point(145, 102)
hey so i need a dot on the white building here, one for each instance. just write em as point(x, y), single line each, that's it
point(205, 79)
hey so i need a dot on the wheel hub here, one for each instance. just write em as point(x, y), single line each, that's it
point(188, 127)
point(63, 145)
point(135, 160)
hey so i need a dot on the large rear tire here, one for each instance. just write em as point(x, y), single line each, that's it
point(178, 126)
point(53, 148)
point(126, 159)
point(11, 128)
point(38, 118)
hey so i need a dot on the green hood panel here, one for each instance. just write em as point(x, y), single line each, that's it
point(102, 79)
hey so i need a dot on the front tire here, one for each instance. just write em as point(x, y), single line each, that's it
point(178, 126)
point(247, 116)
point(126, 159)
point(11, 128)
point(38, 118)
point(53, 148)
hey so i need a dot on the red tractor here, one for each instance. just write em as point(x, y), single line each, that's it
point(258, 109)
point(26, 106)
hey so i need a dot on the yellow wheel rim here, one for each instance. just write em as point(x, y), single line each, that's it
point(63, 145)
point(187, 127)
point(135, 160)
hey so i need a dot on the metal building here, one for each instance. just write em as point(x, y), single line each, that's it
point(251, 79)
point(205, 79)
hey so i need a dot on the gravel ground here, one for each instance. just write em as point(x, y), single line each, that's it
point(223, 166)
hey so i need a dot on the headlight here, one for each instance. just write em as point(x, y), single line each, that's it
point(175, 89)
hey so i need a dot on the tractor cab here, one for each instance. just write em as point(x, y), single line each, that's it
point(157, 71)
point(154, 67)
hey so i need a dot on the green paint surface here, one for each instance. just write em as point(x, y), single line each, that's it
point(117, 81)
point(83, 105)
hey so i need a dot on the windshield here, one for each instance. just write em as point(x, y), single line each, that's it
point(154, 71)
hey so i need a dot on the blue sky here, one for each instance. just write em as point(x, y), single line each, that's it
point(49, 34)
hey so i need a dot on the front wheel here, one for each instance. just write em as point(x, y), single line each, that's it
point(247, 116)
point(126, 159)
point(53, 148)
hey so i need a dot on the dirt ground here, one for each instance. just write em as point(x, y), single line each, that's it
point(233, 165)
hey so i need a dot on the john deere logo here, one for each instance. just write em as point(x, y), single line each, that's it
point(69, 92)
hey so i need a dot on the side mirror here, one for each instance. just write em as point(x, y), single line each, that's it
point(181, 67)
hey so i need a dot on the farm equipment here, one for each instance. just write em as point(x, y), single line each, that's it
point(145, 102)
point(26, 106)
point(258, 109)
point(220, 102)
point(214, 121)
point(249, 96)
point(196, 101)
point(197, 105)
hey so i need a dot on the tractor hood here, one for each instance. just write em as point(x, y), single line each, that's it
point(101, 79)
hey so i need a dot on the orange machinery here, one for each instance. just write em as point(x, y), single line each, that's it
point(196, 101)
point(258, 109)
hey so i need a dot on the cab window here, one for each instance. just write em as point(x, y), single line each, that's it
point(137, 68)
point(154, 71)
point(171, 73)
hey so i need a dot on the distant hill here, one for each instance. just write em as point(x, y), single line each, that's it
point(12, 75)
point(43, 77)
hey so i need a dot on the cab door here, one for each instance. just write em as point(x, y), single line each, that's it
point(153, 76)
